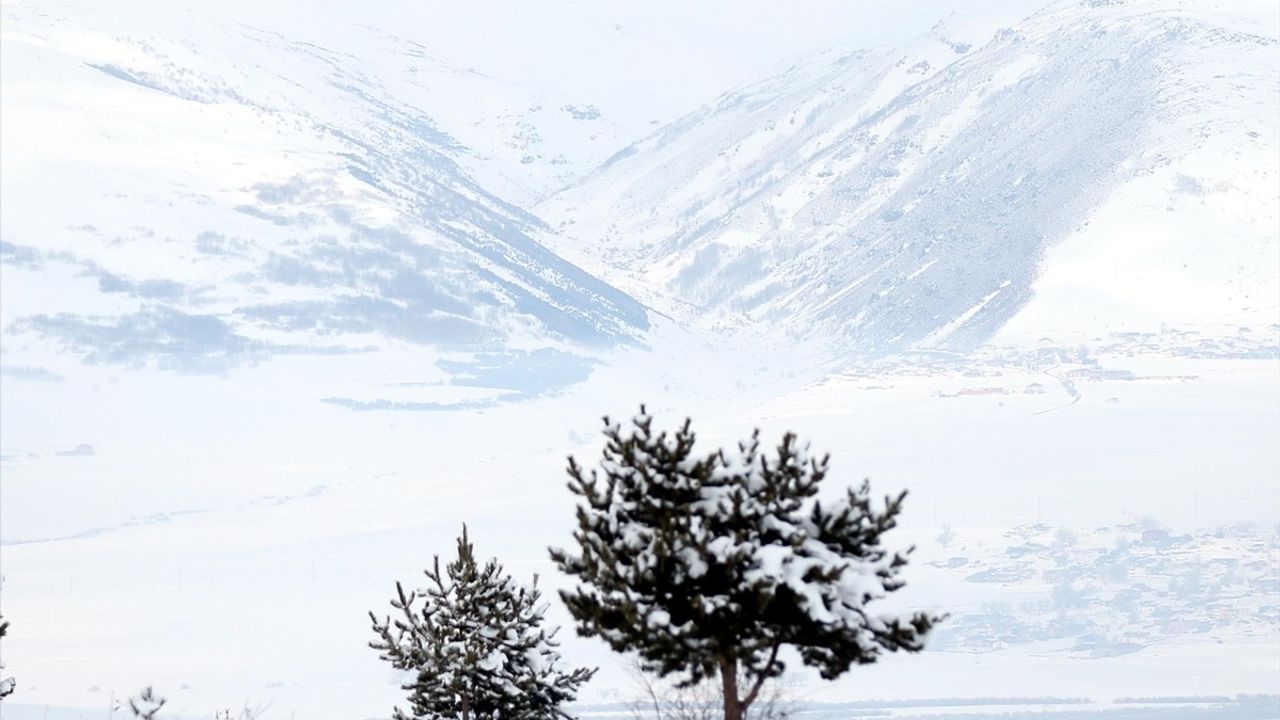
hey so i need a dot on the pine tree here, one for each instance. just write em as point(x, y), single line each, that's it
point(475, 646)
point(707, 566)
point(147, 704)
point(7, 684)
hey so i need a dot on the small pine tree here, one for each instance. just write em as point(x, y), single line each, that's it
point(7, 684)
point(709, 565)
point(475, 646)
point(147, 704)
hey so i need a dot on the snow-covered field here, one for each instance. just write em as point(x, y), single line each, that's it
point(286, 296)
point(237, 563)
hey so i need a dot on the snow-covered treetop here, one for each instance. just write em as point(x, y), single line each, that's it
point(695, 560)
point(146, 704)
point(473, 639)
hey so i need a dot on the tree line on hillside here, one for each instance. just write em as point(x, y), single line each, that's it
point(704, 566)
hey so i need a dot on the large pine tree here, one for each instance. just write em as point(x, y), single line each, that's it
point(708, 565)
point(473, 640)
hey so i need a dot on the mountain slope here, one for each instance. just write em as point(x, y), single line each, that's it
point(210, 197)
point(907, 198)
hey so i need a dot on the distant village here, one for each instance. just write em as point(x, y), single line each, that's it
point(1050, 366)
point(1118, 589)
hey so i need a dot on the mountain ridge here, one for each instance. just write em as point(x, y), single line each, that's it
point(739, 212)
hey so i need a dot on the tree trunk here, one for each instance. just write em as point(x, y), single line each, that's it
point(729, 679)
point(466, 708)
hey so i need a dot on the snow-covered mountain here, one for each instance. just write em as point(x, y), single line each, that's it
point(333, 184)
point(914, 196)
point(204, 195)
